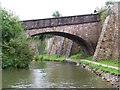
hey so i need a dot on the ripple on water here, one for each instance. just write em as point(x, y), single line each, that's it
point(52, 75)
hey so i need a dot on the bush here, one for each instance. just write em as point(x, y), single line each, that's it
point(39, 57)
point(16, 51)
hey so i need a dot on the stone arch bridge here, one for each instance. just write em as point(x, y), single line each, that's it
point(82, 29)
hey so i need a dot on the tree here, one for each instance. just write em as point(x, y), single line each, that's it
point(16, 51)
point(43, 37)
point(109, 3)
point(11, 28)
point(56, 14)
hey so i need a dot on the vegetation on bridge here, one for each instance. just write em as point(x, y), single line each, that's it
point(106, 10)
point(56, 14)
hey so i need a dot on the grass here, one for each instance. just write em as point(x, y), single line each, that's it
point(110, 62)
point(107, 62)
point(61, 58)
point(48, 58)
point(111, 70)
point(78, 55)
point(89, 58)
point(52, 57)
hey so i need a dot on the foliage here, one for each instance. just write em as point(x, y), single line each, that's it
point(41, 47)
point(38, 57)
point(39, 42)
point(16, 52)
point(109, 3)
point(89, 58)
point(48, 58)
point(61, 58)
point(78, 55)
point(52, 57)
point(106, 10)
point(104, 13)
point(111, 70)
point(11, 28)
point(56, 14)
point(45, 36)
point(110, 62)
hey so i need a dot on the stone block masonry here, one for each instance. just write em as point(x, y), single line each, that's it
point(108, 46)
point(81, 29)
point(61, 21)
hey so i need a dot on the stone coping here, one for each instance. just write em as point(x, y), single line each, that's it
point(60, 21)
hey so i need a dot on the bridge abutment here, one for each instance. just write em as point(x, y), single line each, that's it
point(108, 46)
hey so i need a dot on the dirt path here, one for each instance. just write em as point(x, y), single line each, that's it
point(94, 63)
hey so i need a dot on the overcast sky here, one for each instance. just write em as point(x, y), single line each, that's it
point(36, 9)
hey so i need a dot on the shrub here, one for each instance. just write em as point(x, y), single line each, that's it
point(16, 51)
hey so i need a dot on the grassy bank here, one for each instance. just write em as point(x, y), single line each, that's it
point(107, 62)
point(110, 62)
point(73, 58)
point(48, 58)
point(78, 55)
point(53, 57)
point(107, 69)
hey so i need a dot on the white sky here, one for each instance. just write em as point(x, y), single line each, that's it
point(36, 9)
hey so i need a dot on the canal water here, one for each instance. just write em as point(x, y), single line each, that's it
point(51, 75)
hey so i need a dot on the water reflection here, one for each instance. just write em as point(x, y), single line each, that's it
point(51, 75)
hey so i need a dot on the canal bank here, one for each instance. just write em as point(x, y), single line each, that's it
point(51, 74)
point(107, 72)
point(113, 78)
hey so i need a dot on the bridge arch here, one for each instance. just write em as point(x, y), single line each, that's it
point(85, 46)
point(82, 29)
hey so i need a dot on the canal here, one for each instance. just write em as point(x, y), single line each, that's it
point(51, 75)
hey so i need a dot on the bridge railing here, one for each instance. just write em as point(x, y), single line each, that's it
point(53, 22)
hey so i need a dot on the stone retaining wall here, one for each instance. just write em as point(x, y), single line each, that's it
point(108, 46)
point(114, 79)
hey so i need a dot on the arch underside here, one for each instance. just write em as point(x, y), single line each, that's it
point(85, 46)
